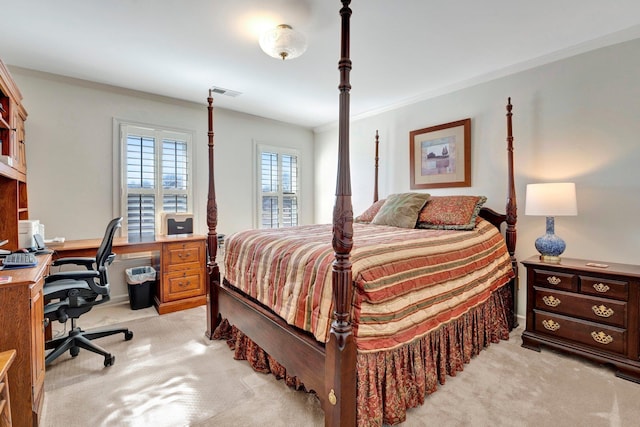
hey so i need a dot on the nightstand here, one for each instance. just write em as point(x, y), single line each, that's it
point(587, 308)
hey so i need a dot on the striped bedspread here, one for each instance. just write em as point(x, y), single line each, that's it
point(407, 281)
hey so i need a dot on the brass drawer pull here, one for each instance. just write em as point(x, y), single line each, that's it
point(551, 301)
point(553, 280)
point(184, 284)
point(332, 397)
point(551, 325)
point(601, 337)
point(602, 311)
point(600, 287)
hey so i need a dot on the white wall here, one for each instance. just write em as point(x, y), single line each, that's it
point(70, 158)
point(574, 120)
point(70, 153)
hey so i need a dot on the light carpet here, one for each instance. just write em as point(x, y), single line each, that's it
point(171, 375)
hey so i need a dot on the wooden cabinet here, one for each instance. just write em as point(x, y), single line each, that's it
point(21, 303)
point(588, 310)
point(22, 329)
point(13, 162)
point(19, 152)
point(6, 359)
point(183, 282)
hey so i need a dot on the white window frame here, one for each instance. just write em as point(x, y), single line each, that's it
point(122, 129)
point(270, 148)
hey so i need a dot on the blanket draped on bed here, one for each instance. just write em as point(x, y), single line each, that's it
point(407, 281)
point(425, 303)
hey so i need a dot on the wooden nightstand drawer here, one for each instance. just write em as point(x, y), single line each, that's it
point(556, 280)
point(606, 338)
point(599, 310)
point(183, 284)
point(608, 288)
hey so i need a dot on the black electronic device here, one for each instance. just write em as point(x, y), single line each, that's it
point(40, 246)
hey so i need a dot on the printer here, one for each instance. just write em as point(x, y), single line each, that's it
point(176, 223)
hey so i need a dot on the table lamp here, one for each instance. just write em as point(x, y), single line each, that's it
point(551, 200)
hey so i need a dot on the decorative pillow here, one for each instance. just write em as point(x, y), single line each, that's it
point(451, 212)
point(401, 210)
point(368, 215)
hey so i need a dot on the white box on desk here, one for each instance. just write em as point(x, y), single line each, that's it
point(26, 230)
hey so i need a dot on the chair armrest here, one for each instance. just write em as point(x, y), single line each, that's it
point(87, 262)
point(73, 275)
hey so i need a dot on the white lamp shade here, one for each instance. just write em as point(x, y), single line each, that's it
point(552, 199)
point(283, 42)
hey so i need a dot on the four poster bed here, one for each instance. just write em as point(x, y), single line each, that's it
point(370, 315)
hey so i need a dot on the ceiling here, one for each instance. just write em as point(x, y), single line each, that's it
point(402, 50)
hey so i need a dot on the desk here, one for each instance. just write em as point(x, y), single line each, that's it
point(22, 329)
point(181, 262)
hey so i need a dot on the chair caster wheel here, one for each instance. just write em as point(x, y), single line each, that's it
point(74, 351)
point(109, 360)
point(128, 335)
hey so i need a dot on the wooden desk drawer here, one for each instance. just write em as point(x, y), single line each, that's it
point(607, 338)
point(608, 288)
point(183, 256)
point(183, 284)
point(556, 280)
point(599, 310)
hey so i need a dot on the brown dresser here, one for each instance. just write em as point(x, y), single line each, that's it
point(22, 329)
point(588, 308)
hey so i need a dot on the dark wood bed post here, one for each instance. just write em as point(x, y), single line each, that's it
point(340, 362)
point(375, 185)
point(512, 213)
point(212, 236)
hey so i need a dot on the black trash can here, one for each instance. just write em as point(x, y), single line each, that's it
point(141, 282)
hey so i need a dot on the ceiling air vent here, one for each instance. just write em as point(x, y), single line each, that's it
point(226, 92)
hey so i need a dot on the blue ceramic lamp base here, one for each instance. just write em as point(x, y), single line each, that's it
point(550, 246)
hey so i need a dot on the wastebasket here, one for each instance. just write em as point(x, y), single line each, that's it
point(141, 282)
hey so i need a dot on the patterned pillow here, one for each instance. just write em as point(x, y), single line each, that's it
point(368, 215)
point(451, 212)
point(401, 210)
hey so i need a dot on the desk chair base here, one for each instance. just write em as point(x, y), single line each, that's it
point(78, 338)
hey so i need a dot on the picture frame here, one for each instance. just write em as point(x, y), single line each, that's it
point(440, 156)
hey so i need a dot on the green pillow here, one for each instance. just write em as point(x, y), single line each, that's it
point(401, 210)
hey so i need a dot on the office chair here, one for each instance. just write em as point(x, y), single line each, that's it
point(70, 294)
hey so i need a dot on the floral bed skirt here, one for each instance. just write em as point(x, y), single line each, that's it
point(390, 382)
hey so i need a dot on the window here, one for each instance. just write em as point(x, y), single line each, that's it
point(157, 175)
point(278, 185)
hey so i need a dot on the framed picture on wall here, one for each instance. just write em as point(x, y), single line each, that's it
point(440, 156)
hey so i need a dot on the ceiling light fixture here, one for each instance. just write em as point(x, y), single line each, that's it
point(283, 42)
